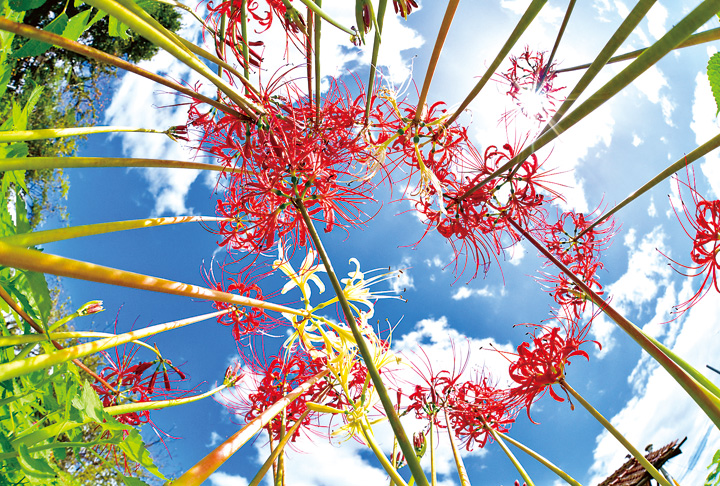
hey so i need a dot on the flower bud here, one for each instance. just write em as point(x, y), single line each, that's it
point(92, 307)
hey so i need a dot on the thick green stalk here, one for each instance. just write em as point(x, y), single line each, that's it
point(47, 236)
point(616, 433)
point(435, 56)
point(693, 40)
point(709, 403)
point(277, 450)
point(317, 26)
point(160, 404)
point(97, 55)
point(433, 475)
point(209, 464)
point(626, 28)
point(400, 434)
point(56, 445)
point(524, 22)
point(17, 368)
point(21, 339)
point(137, 19)
point(24, 135)
point(244, 33)
point(701, 151)
point(382, 7)
point(508, 453)
point(565, 476)
point(280, 477)
point(560, 33)
point(319, 12)
point(459, 465)
point(35, 261)
point(35, 163)
point(386, 464)
point(681, 31)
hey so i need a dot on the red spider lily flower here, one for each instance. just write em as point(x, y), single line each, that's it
point(538, 366)
point(265, 383)
point(476, 401)
point(704, 222)
point(404, 7)
point(289, 159)
point(531, 85)
point(243, 320)
point(568, 239)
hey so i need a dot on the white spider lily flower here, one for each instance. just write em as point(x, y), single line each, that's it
point(304, 276)
point(357, 289)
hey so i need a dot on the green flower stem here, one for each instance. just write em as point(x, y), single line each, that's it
point(141, 22)
point(433, 475)
point(21, 367)
point(35, 261)
point(621, 438)
point(524, 22)
point(206, 466)
point(565, 476)
point(319, 12)
point(435, 56)
point(42, 237)
point(382, 7)
point(277, 450)
point(459, 465)
point(160, 404)
point(626, 28)
point(280, 477)
point(707, 401)
point(35, 163)
point(693, 40)
point(560, 33)
point(220, 43)
point(507, 452)
point(97, 55)
point(244, 33)
point(386, 464)
point(37, 338)
point(400, 434)
point(699, 152)
point(24, 135)
point(40, 329)
point(317, 26)
point(681, 31)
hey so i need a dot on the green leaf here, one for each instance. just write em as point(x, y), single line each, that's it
point(89, 405)
point(23, 5)
point(15, 150)
point(117, 28)
point(134, 447)
point(77, 25)
point(38, 468)
point(131, 481)
point(41, 294)
point(713, 71)
point(34, 48)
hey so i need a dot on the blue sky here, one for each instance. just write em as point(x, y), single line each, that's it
point(649, 125)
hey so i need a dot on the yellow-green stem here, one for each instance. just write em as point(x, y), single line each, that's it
point(459, 465)
point(542, 460)
point(693, 40)
point(433, 475)
point(206, 466)
point(508, 453)
point(24, 135)
point(615, 433)
point(14, 369)
point(435, 56)
point(400, 434)
point(382, 7)
point(277, 451)
point(35, 261)
point(280, 477)
point(160, 404)
point(37, 338)
point(42, 237)
point(35, 163)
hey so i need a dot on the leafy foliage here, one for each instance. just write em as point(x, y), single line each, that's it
point(713, 70)
point(713, 478)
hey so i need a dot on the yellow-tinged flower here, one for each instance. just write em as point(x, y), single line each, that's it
point(304, 276)
point(357, 289)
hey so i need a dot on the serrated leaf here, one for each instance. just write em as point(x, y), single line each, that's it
point(77, 25)
point(89, 405)
point(40, 293)
point(117, 28)
point(713, 71)
point(33, 48)
point(15, 150)
point(38, 468)
point(23, 5)
point(21, 219)
point(134, 447)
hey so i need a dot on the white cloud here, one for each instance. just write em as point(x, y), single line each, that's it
point(636, 140)
point(404, 280)
point(224, 479)
point(652, 210)
point(215, 439)
point(656, 18)
point(466, 292)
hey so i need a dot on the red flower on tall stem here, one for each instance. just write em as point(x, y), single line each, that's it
point(703, 228)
